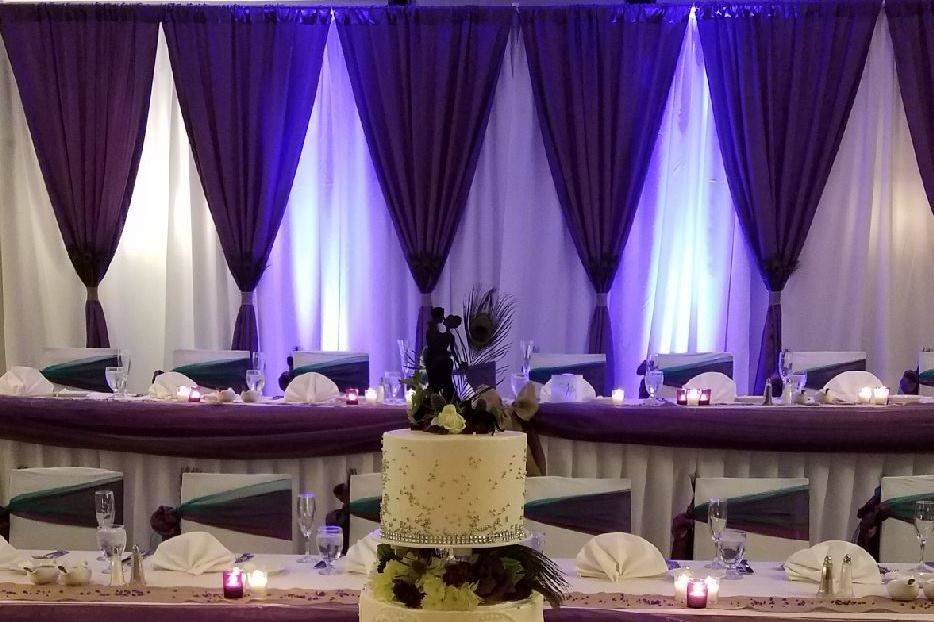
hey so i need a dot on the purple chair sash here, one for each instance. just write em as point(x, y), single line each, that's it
point(593, 514)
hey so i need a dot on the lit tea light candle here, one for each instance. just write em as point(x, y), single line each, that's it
point(693, 397)
point(371, 396)
point(189, 394)
point(619, 396)
point(697, 594)
point(233, 583)
point(880, 396)
point(352, 397)
point(409, 396)
point(865, 395)
point(258, 582)
point(713, 590)
point(681, 587)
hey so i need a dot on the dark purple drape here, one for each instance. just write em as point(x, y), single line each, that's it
point(246, 80)
point(782, 79)
point(423, 80)
point(84, 75)
point(600, 78)
point(911, 23)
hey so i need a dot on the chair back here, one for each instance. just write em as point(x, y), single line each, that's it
point(366, 493)
point(79, 368)
point(53, 507)
point(774, 513)
point(926, 374)
point(569, 511)
point(214, 369)
point(348, 370)
point(591, 366)
point(898, 539)
point(680, 367)
point(822, 367)
point(246, 512)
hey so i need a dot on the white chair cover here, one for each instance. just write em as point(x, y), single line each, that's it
point(680, 367)
point(365, 491)
point(821, 367)
point(926, 374)
point(759, 547)
point(59, 356)
point(898, 541)
point(592, 367)
point(345, 369)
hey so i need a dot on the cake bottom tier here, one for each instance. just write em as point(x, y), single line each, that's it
point(529, 610)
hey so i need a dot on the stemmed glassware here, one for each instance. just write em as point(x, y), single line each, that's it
point(393, 382)
point(123, 356)
point(116, 380)
point(732, 549)
point(105, 510)
point(405, 358)
point(307, 504)
point(654, 378)
point(924, 527)
point(526, 347)
point(112, 542)
point(518, 382)
point(330, 541)
point(716, 521)
point(784, 366)
point(256, 375)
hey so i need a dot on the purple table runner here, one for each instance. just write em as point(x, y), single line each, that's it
point(278, 431)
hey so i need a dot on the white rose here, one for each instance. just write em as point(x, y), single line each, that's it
point(450, 420)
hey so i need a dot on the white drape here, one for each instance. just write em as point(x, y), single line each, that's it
point(337, 278)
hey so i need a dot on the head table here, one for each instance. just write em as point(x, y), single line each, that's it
point(300, 594)
point(842, 450)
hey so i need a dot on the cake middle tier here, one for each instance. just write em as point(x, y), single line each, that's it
point(453, 490)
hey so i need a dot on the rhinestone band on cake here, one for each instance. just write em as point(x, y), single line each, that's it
point(493, 539)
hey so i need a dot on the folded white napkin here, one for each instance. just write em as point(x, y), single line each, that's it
point(620, 556)
point(722, 388)
point(195, 552)
point(567, 388)
point(25, 381)
point(11, 558)
point(805, 565)
point(309, 388)
point(361, 557)
point(844, 388)
point(166, 386)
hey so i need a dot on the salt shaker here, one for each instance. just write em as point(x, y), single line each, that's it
point(768, 394)
point(825, 588)
point(137, 577)
point(845, 585)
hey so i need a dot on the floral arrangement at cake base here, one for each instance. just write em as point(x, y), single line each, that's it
point(427, 579)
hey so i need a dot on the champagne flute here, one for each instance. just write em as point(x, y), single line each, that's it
point(306, 522)
point(393, 381)
point(105, 510)
point(330, 541)
point(924, 528)
point(716, 521)
point(123, 356)
point(518, 382)
point(404, 357)
point(526, 347)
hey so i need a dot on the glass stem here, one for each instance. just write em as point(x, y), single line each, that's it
point(923, 542)
point(307, 546)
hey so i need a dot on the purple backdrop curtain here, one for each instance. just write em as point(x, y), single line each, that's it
point(911, 23)
point(84, 75)
point(246, 80)
point(423, 80)
point(600, 78)
point(783, 77)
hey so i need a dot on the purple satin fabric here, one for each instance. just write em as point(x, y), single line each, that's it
point(600, 81)
point(600, 341)
point(782, 77)
point(84, 75)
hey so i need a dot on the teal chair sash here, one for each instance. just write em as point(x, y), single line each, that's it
point(820, 376)
point(230, 373)
point(367, 508)
point(66, 505)
point(87, 373)
point(346, 373)
point(592, 513)
point(594, 373)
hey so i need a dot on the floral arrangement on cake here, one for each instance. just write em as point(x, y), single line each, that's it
point(443, 401)
point(420, 579)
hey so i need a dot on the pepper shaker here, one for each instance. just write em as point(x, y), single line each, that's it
point(845, 585)
point(826, 586)
point(137, 577)
point(767, 398)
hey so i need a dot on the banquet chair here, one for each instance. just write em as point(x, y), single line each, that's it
point(366, 493)
point(591, 366)
point(679, 367)
point(214, 369)
point(246, 512)
point(774, 513)
point(898, 541)
point(569, 511)
point(79, 368)
point(926, 373)
point(53, 507)
point(822, 367)
point(348, 370)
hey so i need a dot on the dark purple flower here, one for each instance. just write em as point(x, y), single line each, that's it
point(458, 574)
point(407, 593)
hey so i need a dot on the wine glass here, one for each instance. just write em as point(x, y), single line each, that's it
point(404, 357)
point(116, 380)
point(255, 379)
point(393, 381)
point(654, 378)
point(732, 548)
point(112, 542)
point(123, 356)
point(306, 522)
point(924, 527)
point(518, 382)
point(330, 541)
point(784, 365)
point(105, 510)
point(526, 347)
point(716, 521)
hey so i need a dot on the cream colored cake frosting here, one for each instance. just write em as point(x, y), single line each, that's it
point(529, 610)
point(453, 490)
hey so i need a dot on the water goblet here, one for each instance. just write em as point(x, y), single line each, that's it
point(393, 382)
point(732, 548)
point(112, 542)
point(116, 380)
point(526, 347)
point(653, 383)
point(924, 529)
point(716, 521)
point(105, 510)
point(307, 504)
point(518, 382)
point(255, 379)
point(330, 541)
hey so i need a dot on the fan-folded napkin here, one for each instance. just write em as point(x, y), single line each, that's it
point(166, 386)
point(567, 388)
point(805, 565)
point(844, 388)
point(195, 552)
point(361, 557)
point(722, 388)
point(620, 556)
point(11, 558)
point(311, 387)
point(25, 381)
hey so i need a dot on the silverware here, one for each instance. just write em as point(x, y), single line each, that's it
point(51, 555)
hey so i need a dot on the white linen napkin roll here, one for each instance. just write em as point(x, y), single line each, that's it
point(25, 382)
point(195, 552)
point(11, 558)
point(844, 388)
point(722, 388)
point(361, 557)
point(166, 386)
point(310, 388)
point(805, 565)
point(619, 556)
